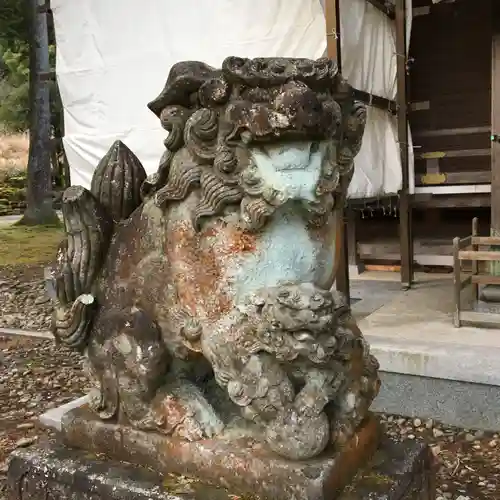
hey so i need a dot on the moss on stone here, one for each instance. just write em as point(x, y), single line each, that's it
point(181, 485)
point(18, 181)
point(12, 193)
point(379, 478)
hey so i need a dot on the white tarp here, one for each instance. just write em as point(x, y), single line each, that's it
point(369, 62)
point(114, 57)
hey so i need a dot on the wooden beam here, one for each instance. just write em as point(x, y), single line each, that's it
point(470, 189)
point(479, 255)
point(452, 131)
point(384, 6)
point(446, 178)
point(481, 200)
point(420, 106)
point(457, 153)
point(342, 282)
point(457, 282)
point(485, 240)
point(475, 264)
point(375, 101)
point(48, 75)
point(485, 279)
point(464, 242)
point(405, 209)
point(352, 239)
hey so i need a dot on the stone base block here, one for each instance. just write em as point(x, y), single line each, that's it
point(59, 473)
point(396, 472)
point(234, 460)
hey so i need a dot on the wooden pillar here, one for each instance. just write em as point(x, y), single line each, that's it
point(333, 31)
point(405, 208)
point(351, 222)
point(495, 145)
point(491, 292)
point(332, 17)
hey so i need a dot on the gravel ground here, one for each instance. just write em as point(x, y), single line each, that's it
point(35, 376)
point(23, 301)
point(469, 461)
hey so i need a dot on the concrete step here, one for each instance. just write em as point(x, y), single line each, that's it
point(457, 384)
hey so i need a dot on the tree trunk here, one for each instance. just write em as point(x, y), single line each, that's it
point(39, 209)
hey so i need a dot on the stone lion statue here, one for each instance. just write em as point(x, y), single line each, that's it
point(201, 295)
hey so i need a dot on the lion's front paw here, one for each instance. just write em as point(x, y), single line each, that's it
point(298, 436)
point(151, 421)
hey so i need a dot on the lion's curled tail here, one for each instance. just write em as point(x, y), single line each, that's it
point(89, 220)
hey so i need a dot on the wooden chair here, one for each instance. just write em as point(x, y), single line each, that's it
point(467, 249)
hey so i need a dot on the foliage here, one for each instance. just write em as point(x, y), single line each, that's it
point(14, 24)
point(14, 86)
point(14, 56)
point(14, 67)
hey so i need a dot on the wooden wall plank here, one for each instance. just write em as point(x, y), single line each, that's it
point(451, 70)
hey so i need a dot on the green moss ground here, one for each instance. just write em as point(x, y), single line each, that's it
point(28, 245)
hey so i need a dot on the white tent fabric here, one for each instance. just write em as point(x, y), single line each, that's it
point(114, 57)
point(369, 60)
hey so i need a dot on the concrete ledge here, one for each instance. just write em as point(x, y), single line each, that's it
point(455, 403)
point(456, 384)
point(429, 368)
point(26, 333)
point(52, 419)
point(451, 361)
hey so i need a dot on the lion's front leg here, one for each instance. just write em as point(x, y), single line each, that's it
point(296, 427)
point(253, 379)
point(259, 387)
point(302, 430)
point(351, 406)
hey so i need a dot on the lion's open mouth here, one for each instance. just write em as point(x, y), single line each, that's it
point(293, 169)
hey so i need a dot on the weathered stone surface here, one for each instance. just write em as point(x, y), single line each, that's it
point(117, 182)
point(219, 268)
point(235, 460)
point(397, 472)
point(58, 473)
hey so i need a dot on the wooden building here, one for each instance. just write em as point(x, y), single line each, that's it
point(448, 92)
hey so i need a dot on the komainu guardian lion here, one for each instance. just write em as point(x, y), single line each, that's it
point(201, 294)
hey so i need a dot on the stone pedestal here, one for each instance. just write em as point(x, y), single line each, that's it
point(55, 472)
point(233, 460)
point(94, 460)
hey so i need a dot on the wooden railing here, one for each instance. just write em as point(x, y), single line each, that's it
point(468, 249)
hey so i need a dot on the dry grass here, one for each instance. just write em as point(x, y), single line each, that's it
point(13, 153)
